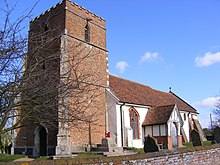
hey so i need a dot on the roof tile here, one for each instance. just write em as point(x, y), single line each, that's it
point(158, 115)
point(131, 92)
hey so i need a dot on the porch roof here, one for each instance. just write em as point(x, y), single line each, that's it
point(158, 115)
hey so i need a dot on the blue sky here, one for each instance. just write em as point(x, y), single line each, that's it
point(161, 43)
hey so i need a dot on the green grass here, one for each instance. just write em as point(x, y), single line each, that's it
point(89, 155)
point(42, 158)
point(188, 144)
point(9, 158)
point(139, 151)
point(205, 143)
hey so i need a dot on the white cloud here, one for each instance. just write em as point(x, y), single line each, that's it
point(208, 59)
point(208, 102)
point(121, 66)
point(150, 56)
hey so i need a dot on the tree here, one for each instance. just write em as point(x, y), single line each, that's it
point(216, 112)
point(39, 86)
point(13, 48)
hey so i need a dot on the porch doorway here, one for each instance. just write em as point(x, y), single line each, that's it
point(174, 135)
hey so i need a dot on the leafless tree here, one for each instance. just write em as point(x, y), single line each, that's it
point(40, 83)
point(13, 48)
point(216, 112)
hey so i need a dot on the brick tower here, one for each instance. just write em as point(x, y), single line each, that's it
point(69, 44)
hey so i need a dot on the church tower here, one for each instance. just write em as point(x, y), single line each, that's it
point(68, 43)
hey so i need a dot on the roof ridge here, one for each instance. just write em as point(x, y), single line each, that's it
point(182, 100)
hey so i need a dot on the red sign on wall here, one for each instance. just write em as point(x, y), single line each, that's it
point(107, 134)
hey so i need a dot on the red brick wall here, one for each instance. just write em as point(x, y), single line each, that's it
point(71, 19)
point(170, 146)
point(180, 141)
point(95, 65)
point(25, 135)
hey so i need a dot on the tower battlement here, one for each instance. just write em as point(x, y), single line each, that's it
point(73, 7)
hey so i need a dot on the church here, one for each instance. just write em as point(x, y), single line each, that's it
point(67, 44)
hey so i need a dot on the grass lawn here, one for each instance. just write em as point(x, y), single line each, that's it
point(9, 158)
point(139, 151)
point(205, 143)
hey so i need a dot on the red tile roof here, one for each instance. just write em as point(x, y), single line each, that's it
point(158, 115)
point(131, 92)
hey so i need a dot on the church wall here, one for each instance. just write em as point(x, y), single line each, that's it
point(118, 117)
point(25, 135)
point(185, 123)
point(67, 21)
point(93, 70)
point(94, 65)
point(112, 117)
point(137, 143)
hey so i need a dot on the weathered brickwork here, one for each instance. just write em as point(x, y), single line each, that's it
point(95, 65)
point(66, 23)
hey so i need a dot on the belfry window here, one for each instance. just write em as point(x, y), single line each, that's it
point(44, 64)
point(87, 33)
point(45, 29)
point(134, 123)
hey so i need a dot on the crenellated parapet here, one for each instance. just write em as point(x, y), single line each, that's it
point(73, 7)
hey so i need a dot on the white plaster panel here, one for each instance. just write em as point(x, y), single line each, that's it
point(119, 143)
point(163, 130)
point(156, 131)
point(137, 143)
point(185, 123)
point(148, 131)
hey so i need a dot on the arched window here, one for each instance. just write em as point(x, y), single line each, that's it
point(184, 116)
point(87, 33)
point(134, 123)
point(45, 29)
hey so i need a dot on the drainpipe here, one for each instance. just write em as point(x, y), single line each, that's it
point(190, 126)
point(122, 134)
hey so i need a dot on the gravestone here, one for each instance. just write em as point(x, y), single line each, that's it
point(196, 139)
point(217, 134)
point(150, 144)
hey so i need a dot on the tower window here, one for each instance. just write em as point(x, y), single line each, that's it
point(87, 33)
point(44, 64)
point(45, 29)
